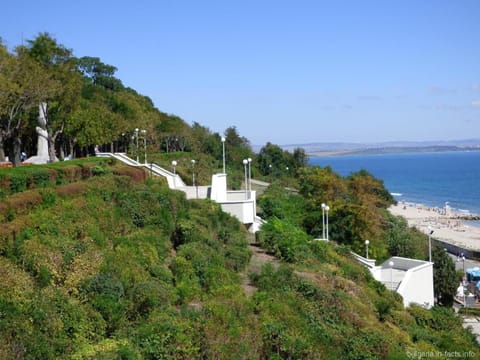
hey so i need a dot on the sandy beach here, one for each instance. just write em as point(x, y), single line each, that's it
point(448, 226)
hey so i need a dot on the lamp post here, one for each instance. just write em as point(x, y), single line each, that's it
point(249, 176)
point(136, 141)
point(430, 232)
point(193, 179)
point(323, 221)
point(223, 148)
point(174, 164)
point(144, 133)
point(461, 258)
point(327, 209)
point(245, 163)
point(391, 274)
point(193, 172)
point(366, 246)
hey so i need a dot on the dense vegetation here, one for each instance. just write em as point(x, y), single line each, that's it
point(114, 265)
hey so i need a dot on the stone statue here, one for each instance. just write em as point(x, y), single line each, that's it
point(42, 140)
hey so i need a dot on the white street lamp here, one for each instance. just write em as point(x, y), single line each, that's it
point(223, 147)
point(323, 221)
point(461, 257)
point(136, 142)
point(193, 172)
point(249, 175)
point(430, 232)
point(144, 133)
point(366, 245)
point(174, 164)
point(391, 274)
point(327, 209)
point(245, 163)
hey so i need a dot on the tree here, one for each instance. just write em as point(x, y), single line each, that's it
point(444, 277)
point(365, 188)
point(404, 241)
point(57, 61)
point(300, 158)
point(99, 73)
point(270, 159)
point(322, 185)
point(23, 85)
point(173, 133)
point(238, 147)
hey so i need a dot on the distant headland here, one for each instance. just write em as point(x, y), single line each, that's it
point(393, 147)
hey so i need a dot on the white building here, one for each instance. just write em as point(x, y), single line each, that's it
point(411, 278)
point(240, 203)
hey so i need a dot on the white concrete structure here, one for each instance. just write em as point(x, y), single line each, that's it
point(42, 156)
point(369, 263)
point(413, 279)
point(242, 204)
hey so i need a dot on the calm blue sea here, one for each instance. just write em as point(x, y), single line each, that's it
point(428, 178)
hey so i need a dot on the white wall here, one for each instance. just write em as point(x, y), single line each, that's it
point(415, 278)
point(219, 187)
point(243, 210)
point(417, 286)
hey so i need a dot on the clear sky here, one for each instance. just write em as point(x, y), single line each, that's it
point(288, 72)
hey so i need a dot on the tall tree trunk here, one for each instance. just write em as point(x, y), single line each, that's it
point(72, 148)
point(2, 149)
point(17, 148)
point(61, 153)
point(51, 148)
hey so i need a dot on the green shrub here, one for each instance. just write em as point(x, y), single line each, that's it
point(283, 239)
point(40, 178)
point(106, 294)
point(10, 214)
point(169, 336)
point(151, 295)
point(49, 197)
point(18, 183)
point(100, 170)
point(384, 309)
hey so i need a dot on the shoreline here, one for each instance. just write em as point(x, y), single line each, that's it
point(389, 151)
point(449, 226)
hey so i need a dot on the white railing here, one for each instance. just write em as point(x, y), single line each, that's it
point(241, 204)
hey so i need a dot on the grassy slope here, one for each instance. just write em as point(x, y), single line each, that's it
point(109, 267)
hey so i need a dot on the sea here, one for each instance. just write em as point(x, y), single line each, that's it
point(432, 179)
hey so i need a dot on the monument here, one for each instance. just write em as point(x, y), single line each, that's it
point(42, 140)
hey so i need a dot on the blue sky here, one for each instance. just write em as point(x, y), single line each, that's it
point(288, 72)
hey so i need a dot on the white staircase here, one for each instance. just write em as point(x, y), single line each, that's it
point(241, 204)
